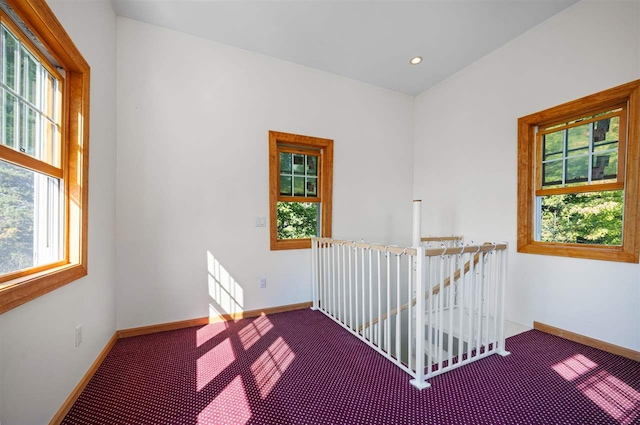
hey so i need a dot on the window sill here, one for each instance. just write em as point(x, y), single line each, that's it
point(590, 252)
point(26, 288)
point(290, 244)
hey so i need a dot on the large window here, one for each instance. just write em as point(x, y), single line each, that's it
point(578, 178)
point(44, 95)
point(300, 171)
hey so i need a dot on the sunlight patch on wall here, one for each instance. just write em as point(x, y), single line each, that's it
point(574, 367)
point(613, 396)
point(226, 293)
point(251, 333)
point(270, 366)
point(213, 362)
point(231, 406)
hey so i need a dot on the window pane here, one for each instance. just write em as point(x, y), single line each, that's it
point(592, 218)
point(298, 186)
point(30, 219)
point(552, 173)
point(577, 170)
point(312, 186)
point(312, 165)
point(49, 101)
point(29, 76)
point(10, 49)
point(30, 134)
point(298, 164)
point(612, 130)
point(10, 109)
point(553, 145)
point(578, 140)
point(285, 186)
point(605, 167)
point(285, 163)
point(297, 220)
point(51, 143)
point(606, 130)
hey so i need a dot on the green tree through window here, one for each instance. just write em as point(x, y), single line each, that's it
point(16, 218)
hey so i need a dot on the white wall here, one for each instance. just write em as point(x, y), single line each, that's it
point(192, 176)
point(465, 163)
point(39, 364)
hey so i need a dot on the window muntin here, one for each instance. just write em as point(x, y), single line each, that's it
point(571, 199)
point(298, 173)
point(31, 100)
point(585, 151)
point(300, 189)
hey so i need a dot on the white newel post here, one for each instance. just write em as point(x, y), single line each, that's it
point(419, 381)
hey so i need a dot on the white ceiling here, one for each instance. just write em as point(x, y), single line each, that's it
point(370, 41)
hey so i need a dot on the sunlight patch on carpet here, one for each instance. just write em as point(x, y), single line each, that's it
point(573, 367)
point(230, 407)
point(251, 333)
point(270, 366)
point(210, 331)
point(213, 362)
point(613, 396)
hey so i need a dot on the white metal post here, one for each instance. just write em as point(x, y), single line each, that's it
point(314, 272)
point(450, 295)
point(419, 381)
point(398, 310)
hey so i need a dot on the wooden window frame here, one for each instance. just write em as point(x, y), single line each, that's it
point(628, 94)
point(25, 285)
point(279, 141)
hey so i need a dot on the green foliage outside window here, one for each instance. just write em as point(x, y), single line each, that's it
point(16, 218)
point(297, 220)
point(591, 218)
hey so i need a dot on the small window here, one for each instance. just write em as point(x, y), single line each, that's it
point(300, 193)
point(577, 174)
point(44, 145)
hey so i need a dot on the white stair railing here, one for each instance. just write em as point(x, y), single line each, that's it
point(362, 287)
point(427, 310)
point(473, 327)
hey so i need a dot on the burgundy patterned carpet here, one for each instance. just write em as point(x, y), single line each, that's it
point(302, 368)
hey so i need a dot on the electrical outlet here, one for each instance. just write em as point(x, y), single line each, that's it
point(78, 335)
point(261, 221)
point(263, 282)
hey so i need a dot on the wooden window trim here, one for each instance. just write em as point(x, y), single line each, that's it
point(26, 285)
point(527, 162)
point(325, 151)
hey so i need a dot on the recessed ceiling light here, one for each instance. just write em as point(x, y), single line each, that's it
point(415, 60)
